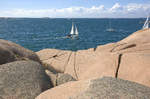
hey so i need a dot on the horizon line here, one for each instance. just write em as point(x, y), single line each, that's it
point(79, 17)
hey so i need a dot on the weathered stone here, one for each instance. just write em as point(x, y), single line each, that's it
point(84, 64)
point(100, 88)
point(92, 65)
point(138, 37)
point(6, 56)
point(10, 51)
point(22, 80)
point(55, 59)
point(64, 91)
point(105, 48)
point(59, 78)
point(52, 76)
point(63, 78)
point(135, 67)
point(111, 88)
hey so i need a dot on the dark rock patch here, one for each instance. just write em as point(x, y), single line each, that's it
point(59, 78)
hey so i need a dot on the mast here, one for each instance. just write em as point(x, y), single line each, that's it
point(109, 24)
point(72, 29)
point(76, 31)
point(146, 24)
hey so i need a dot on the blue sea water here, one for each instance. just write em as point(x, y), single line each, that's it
point(40, 33)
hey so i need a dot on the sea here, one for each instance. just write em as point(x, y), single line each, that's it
point(41, 33)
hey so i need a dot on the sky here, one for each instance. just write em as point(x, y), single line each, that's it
point(75, 8)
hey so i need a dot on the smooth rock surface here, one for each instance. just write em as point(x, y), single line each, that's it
point(135, 67)
point(64, 91)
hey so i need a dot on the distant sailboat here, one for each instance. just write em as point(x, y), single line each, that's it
point(74, 31)
point(146, 24)
point(110, 29)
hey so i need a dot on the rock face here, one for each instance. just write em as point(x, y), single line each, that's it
point(22, 80)
point(10, 52)
point(135, 67)
point(104, 88)
point(6, 56)
point(55, 59)
point(127, 59)
point(59, 78)
point(64, 91)
point(111, 88)
point(63, 78)
point(77, 63)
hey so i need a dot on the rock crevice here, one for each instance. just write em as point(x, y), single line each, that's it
point(118, 66)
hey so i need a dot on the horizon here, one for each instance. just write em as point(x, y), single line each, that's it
point(75, 9)
point(73, 18)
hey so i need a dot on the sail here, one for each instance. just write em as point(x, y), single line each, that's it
point(72, 29)
point(76, 31)
point(146, 24)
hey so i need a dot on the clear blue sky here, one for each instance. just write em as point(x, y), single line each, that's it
point(8, 5)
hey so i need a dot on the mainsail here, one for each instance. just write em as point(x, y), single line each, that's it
point(76, 31)
point(72, 30)
point(146, 24)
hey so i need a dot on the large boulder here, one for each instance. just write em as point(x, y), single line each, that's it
point(22, 80)
point(10, 52)
point(100, 88)
point(111, 88)
point(64, 91)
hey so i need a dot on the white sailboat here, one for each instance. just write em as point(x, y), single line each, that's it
point(74, 31)
point(146, 24)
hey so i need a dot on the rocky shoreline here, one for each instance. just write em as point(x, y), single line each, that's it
point(118, 70)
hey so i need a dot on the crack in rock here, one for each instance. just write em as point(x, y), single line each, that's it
point(118, 66)
point(75, 71)
point(65, 65)
point(55, 56)
point(112, 50)
point(128, 46)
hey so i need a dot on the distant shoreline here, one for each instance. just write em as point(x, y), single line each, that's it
point(63, 18)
